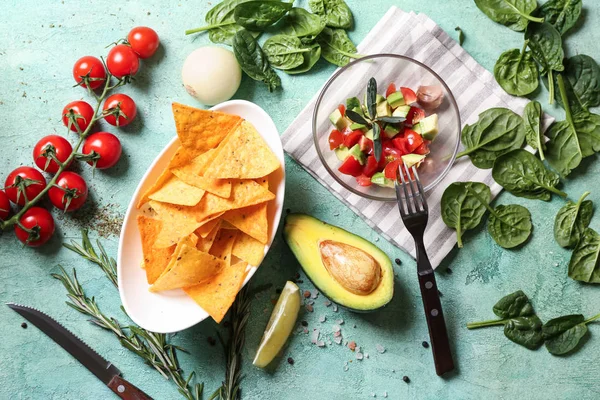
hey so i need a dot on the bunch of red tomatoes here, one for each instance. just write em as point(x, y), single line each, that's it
point(53, 154)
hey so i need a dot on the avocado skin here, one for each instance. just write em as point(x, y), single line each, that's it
point(321, 278)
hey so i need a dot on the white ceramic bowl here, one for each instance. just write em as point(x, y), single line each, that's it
point(173, 311)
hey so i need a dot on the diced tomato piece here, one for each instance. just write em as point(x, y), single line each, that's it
point(423, 148)
point(363, 180)
point(391, 170)
point(391, 89)
point(413, 140)
point(414, 115)
point(366, 145)
point(353, 138)
point(336, 139)
point(351, 166)
point(371, 166)
point(342, 109)
point(400, 144)
point(410, 97)
point(347, 131)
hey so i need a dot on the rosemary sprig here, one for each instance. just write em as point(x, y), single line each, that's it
point(87, 251)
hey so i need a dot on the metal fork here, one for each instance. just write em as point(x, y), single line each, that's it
point(415, 213)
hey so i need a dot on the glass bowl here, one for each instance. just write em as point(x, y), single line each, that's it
point(351, 81)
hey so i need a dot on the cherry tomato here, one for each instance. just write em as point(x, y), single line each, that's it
point(363, 180)
point(30, 178)
point(77, 112)
point(51, 144)
point(391, 170)
point(73, 194)
point(123, 106)
point(122, 61)
point(400, 144)
point(371, 166)
point(143, 40)
point(89, 71)
point(106, 145)
point(413, 140)
point(423, 148)
point(4, 206)
point(336, 139)
point(366, 145)
point(342, 109)
point(415, 115)
point(391, 89)
point(353, 138)
point(350, 166)
point(41, 224)
point(409, 95)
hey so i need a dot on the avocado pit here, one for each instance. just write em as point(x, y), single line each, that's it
point(356, 270)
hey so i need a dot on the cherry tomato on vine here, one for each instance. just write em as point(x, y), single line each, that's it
point(40, 224)
point(106, 146)
point(51, 145)
point(89, 71)
point(70, 192)
point(122, 61)
point(30, 180)
point(77, 112)
point(122, 109)
point(143, 40)
point(4, 206)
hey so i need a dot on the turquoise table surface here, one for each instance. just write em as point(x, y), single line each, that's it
point(39, 42)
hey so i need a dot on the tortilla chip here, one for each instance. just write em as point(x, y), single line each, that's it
point(251, 220)
point(201, 130)
point(178, 222)
point(189, 240)
point(217, 295)
point(204, 244)
point(243, 155)
point(155, 260)
point(190, 268)
point(219, 187)
point(227, 225)
point(175, 191)
point(248, 249)
point(223, 245)
point(166, 174)
point(206, 228)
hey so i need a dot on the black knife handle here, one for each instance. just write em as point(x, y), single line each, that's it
point(126, 390)
point(440, 346)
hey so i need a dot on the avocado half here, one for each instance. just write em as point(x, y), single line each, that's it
point(305, 235)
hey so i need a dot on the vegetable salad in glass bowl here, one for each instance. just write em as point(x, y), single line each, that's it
point(383, 113)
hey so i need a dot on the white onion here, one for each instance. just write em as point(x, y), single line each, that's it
point(430, 97)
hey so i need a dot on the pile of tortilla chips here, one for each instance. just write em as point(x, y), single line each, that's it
point(208, 209)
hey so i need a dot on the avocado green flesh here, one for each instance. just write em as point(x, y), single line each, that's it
point(303, 234)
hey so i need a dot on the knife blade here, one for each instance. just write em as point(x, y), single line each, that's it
point(94, 362)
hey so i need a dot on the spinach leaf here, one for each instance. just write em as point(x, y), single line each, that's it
point(498, 131)
point(221, 22)
point(532, 115)
point(525, 331)
point(563, 334)
point(587, 126)
point(257, 15)
point(461, 35)
point(582, 82)
point(510, 225)
point(253, 60)
point(562, 14)
point(557, 326)
point(585, 258)
point(336, 13)
point(336, 46)
point(284, 52)
point(524, 175)
point(514, 14)
point(517, 72)
point(462, 208)
point(310, 59)
point(546, 47)
point(572, 220)
point(514, 305)
point(299, 22)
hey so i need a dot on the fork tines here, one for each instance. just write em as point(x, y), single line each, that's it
point(414, 195)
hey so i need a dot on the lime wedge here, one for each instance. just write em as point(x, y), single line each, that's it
point(282, 321)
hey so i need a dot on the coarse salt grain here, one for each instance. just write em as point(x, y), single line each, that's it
point(336, 328)
point(359, 356)
point(335, 308)
point(309, 308)
point(338, 340)
point(315, 336)
point(352, 345)
point(337, 333)
point(339, 321)
point(314, 294)
point(380, 348)
point(321, 343)
point(322, 318)
point(327, 303)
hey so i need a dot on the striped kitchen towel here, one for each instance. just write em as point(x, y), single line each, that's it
point(475, 90)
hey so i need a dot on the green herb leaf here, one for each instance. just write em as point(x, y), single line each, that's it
point(299, 22)
point(309, 60)
point(356, 117)
point(585, 258)
point(391, 120)
point(253, 60)
point(566, 341)
point(557, 326)
point(461, 35)
point(377, 149)
point(582, 83)
point(498, 131)
point(371, 98)
point(336, 46)
point(562, 14)
point(517, 72)
point(284, 51)
point(221, 22)
point(336, 13)
point(546, 47)
point(572, 220)
point(525, 331)
point(532, 115)
point(514, 305)
point(524, 175)
point(257, 15)
point(510, 225)
point(461, 208)
point(514, 14)
point(352, 103)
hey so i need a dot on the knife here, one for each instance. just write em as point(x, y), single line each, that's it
point(104, 370)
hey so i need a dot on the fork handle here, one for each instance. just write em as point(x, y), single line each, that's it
point(440, 346)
